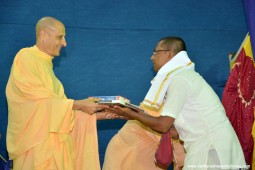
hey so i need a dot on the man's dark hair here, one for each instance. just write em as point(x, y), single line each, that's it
point(176, 44)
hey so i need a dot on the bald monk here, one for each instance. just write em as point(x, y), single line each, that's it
point(46, 130)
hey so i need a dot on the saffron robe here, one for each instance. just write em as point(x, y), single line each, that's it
point(43, 131)
point(133, 147)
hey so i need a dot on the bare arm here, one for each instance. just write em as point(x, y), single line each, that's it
point(160, 124)
point(109, 115)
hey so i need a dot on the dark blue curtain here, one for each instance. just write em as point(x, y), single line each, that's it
point(110, 43)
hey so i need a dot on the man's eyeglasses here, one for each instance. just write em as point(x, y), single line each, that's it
point(156, 51)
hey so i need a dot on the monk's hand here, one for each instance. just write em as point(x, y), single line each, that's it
point(89, 105)
point(93, 99)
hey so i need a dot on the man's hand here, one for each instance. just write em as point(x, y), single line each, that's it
point(121, 112)
point(89, 105)
point(107, 114)
point(174, 133)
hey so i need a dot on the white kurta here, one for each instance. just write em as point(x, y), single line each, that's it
point(202, 124)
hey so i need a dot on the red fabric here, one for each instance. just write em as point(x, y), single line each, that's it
point(164, 154)
point(238, 101)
